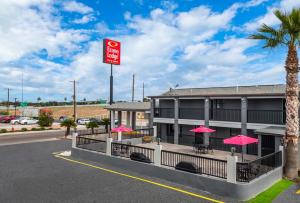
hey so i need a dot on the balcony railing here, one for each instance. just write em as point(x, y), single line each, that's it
point(266, 116)
point(233, 115)
point(191, 113)
point(164, 112)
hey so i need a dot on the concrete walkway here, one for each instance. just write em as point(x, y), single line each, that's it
point(289, 196)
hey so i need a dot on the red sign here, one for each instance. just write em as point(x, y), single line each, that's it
point(111, 52)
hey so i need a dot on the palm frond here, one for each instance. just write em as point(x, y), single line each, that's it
point(287, 33)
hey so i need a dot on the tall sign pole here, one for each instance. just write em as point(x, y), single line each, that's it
point(112, 56)
point(111, 95)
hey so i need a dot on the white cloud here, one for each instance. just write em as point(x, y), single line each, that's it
point(84, 19)
point(73, 6)
point(230, 53)
point(33, 30)
point(269, 18)
point(161, 49)
point(203, 23)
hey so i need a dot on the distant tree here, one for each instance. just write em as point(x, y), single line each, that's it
point(106, 123)
point(68, 123)
point(45, 118)
point(92, 125)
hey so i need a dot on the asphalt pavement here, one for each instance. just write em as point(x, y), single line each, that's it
point(30, 173)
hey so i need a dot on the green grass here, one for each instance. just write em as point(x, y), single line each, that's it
point(270, 194)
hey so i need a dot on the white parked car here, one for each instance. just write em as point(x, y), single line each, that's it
point(28, 121)
point(17, 120)
point(83, 121)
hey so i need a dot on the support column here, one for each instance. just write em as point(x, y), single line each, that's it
point(119, 118)
point(74, 139)
point(231, 168)
point(244, 110)
point(206, 120)
point(259, 146)
point(112, 119)
point(108, 146)
point(154, 132)
point(176, 125)
point(128, 118)
point(157, 155)
point(133, 122)
point(152, 104)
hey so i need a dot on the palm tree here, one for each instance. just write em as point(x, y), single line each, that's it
point(106, 123)
point(39, 99)
point(287, 34)
point(92, 125)
point(68, 123)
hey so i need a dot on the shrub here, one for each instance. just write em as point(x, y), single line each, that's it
point(92, 125)
point(34, 129)
point(45, 118)
point(68, 123)
point(4, 113)
point(42, 128)
point(24, 129)
point(3, 131)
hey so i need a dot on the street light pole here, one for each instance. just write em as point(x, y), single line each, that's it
point(74, 103)
point(15, 107)
point(8, 100)
point(132, 99)
point(143, 91)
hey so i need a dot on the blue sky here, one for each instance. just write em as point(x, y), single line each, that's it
point(193, 43)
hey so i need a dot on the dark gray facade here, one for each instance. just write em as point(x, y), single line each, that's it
point(229, 110)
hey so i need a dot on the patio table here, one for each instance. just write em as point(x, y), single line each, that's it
point(202, 148)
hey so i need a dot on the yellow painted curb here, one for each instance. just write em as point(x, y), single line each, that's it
point(298, 192)
point(142, 179)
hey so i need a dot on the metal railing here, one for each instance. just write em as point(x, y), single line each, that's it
point(233, 115)
point(90, 132)
point(125, 150)
point(208, 166)
point(250, 170)
point(91, 144)
point(191, 113)
point(164, 112)
point(266, 116)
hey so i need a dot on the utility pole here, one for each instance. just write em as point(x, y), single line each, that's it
point(143, 91)
point(132, 88)
point(22, 84)
point(8, 100)
point(74, 103)
point(15, 107)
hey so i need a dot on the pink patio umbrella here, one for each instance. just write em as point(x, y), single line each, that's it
point(121, 129)
point(240, 140)
point(202, 129)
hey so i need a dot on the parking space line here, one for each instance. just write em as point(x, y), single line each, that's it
point(142, 179)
